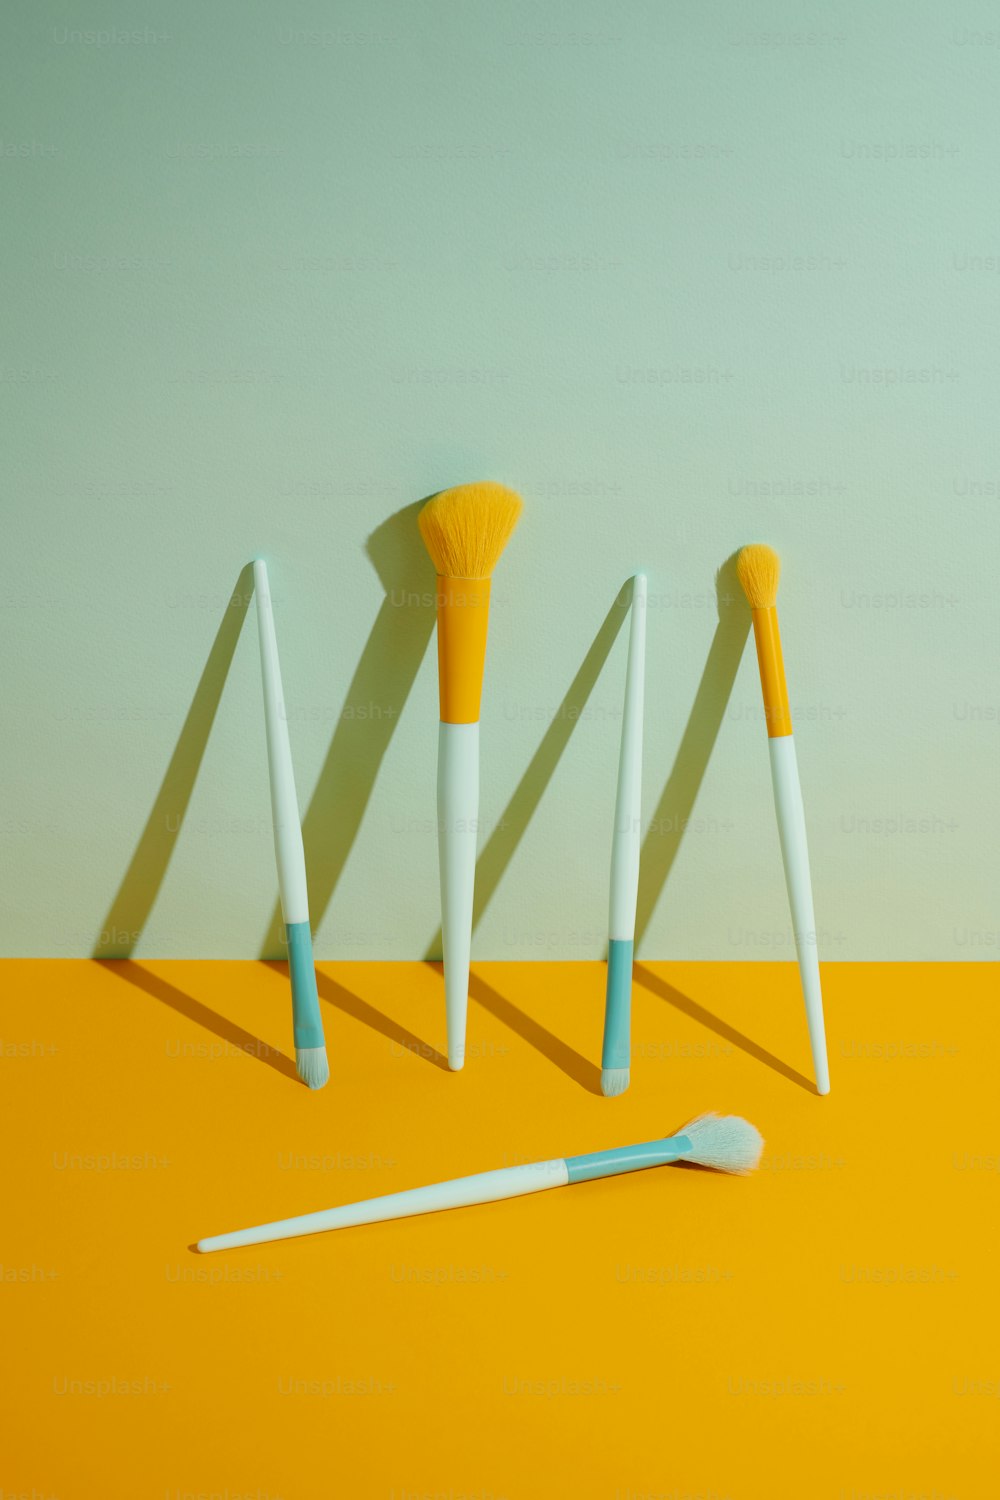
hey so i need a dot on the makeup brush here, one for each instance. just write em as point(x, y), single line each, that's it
point(758, 569)
point(725, 1142)
point(616, 1051)
point(465, 530)
point(310, 1046)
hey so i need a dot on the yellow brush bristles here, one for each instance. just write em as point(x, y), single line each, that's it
point(466, 529)
point(758, 568)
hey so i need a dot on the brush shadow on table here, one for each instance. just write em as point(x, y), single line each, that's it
point(334, 993)
point(664, 990)
point(195, 1010)
point(572, 1063)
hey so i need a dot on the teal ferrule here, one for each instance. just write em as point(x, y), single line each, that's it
point(627, 1158)
point(306, 1022)
point(617, 1049)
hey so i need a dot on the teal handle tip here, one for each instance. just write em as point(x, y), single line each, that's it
point(617, 1049)
point(307, 1023)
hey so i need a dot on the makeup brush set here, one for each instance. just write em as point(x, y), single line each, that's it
point(465, 531)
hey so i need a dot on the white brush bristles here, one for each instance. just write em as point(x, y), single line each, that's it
point(312, 1066)
point(725, 1142)
point(759, 568)
point(614, 1081)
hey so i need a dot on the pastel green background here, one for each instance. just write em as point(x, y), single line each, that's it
point(686, 276)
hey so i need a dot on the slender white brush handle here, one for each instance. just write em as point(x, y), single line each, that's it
point(628, 802)
point(458, 818)
point(288, 847)
point(795, 855)
point(484, 1187)
point(616, 1047)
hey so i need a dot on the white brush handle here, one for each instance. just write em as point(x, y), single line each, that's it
point(628, 802)
point(795, 855)
point(484, 1187)
point(288, 847)
point(458, 818)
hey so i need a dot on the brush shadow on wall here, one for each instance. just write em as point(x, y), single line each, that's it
point(666, 829)
point(502, 843)
point(372, 706)
point(140, 885)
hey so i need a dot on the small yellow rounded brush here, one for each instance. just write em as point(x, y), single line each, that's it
point(465, 530)
point(758, 569)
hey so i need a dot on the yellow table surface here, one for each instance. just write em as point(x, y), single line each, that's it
point(826, 1328)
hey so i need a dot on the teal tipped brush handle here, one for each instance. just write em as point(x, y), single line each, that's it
point(724, 1142)
point(617, 1049)
point(306, 1022)
point(310, 1049)
point(615, 1055)
point(459, 1192)
point(627, 1158)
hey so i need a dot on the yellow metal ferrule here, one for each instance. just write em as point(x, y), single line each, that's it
point(463, 611)
point(772, 672)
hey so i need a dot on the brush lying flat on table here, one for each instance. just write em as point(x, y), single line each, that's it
point(725, 1142)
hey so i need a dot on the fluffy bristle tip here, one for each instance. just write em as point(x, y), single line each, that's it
point(759, 568)
point(725, 1142)
point(614, 1081)
point(466, 529)
point(312, 1066)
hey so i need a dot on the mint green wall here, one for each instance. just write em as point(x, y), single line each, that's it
point(687, 276)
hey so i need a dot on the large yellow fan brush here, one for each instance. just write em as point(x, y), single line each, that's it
point(465, 530)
